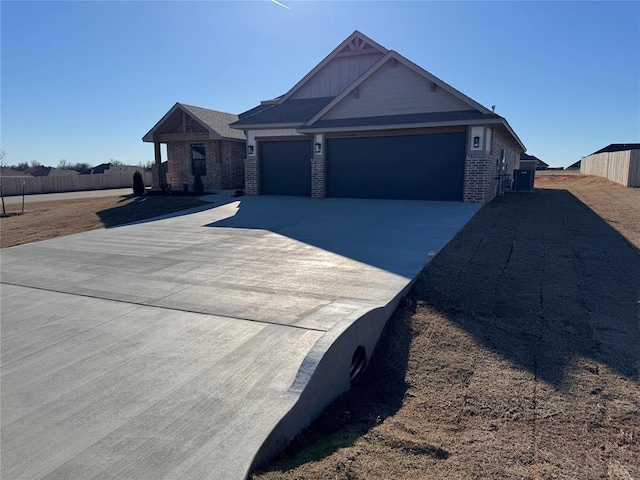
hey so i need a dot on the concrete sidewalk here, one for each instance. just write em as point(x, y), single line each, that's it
point(197, 345)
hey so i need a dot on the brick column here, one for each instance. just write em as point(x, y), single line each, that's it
point(251, 176)
point(318, 178)
point(318, 169)
point(475, 178)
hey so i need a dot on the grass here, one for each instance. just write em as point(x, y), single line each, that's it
point(516, 354)
point(44, 220)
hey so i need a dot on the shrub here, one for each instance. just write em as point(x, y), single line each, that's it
point(138, 184)
point(197, 185)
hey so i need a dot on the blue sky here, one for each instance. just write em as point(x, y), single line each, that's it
point(85, 80)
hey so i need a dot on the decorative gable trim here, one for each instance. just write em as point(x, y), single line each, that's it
point(356, 44)
point(397, 58)
point(152, 134)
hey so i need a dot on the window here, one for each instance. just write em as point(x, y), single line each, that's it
point(198, 165)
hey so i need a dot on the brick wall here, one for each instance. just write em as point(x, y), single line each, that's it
point(223, 160)
point(251, 176)
point(481, 169)
point(318, 178)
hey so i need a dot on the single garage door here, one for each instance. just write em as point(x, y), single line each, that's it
point(415, 167)
point(285, 167)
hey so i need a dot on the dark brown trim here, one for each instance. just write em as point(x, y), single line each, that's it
point(183, 137)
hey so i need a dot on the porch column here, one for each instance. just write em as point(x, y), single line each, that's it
point(157, 178)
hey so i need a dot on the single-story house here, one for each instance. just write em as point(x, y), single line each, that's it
point(367, 122)
point(199, 142)
point(574, 166)
point(109, 168)
point(618, 162)
point(529, 162)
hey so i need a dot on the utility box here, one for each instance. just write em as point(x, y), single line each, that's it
point(523, 180)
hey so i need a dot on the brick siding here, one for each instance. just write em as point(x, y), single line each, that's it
point(251, 176)
point(318, 178)
point(481, 169)
point(223, 161)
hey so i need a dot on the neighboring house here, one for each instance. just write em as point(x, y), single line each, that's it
point(574, 166)
point(108, 168)
point(10, 172)
point(42, 171)
point(618, 162)
point(531, 162)
point(199, 142)
point(367, 122)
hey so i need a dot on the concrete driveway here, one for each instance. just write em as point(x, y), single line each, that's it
point(196, 345)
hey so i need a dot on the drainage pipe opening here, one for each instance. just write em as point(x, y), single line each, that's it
point(358, 363)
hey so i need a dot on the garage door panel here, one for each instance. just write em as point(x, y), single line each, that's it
point(285, 167)
point(421, 167)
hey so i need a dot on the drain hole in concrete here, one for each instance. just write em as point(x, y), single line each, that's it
point(358, 362)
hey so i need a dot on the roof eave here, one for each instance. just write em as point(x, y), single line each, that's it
point(266, 126)
point(361, 128)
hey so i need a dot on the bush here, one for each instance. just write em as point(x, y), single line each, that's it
point(197, 185)
point(138, 184)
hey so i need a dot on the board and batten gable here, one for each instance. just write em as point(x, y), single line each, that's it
point(337, 75)
point(395, 89)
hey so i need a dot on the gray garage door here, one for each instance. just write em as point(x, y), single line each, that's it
point(285, 167)
point(415, 167)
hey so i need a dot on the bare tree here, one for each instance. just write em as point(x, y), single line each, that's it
point(63, 164)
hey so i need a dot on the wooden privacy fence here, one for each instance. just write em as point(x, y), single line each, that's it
point(620, 167)
point(69, 183)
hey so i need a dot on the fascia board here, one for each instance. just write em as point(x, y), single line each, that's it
point(361, 128)
point(150, 134)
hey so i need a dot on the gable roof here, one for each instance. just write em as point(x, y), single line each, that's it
point(618, 147)
point(395, 56)
point(215, 122)
point(524, 156)
point(306, 114)
point(290, 113)
point(356, 40)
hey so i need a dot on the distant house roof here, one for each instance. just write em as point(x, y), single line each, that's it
point(10, 172)
point(618, 147)
point(540, 165)
point(574, 166)
point(213, 121)
point(110, 168)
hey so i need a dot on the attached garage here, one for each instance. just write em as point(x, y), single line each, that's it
point(415, 167)
point(379, 126)
point(285, 167)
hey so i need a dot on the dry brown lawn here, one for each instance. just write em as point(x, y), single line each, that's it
point(516, 355)
point(43, 220)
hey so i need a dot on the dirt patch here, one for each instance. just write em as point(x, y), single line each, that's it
point(43, 220)
point(516, 355)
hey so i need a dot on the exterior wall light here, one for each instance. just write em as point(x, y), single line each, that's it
point(318, 148)
point(476, 142)
point(250, 149)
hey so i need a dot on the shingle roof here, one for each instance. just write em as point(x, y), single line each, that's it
point(290, 112)
point(618, 147)
point(405, 119)
point(217, 121)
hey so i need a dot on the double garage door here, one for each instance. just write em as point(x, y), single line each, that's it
point(416, 167)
